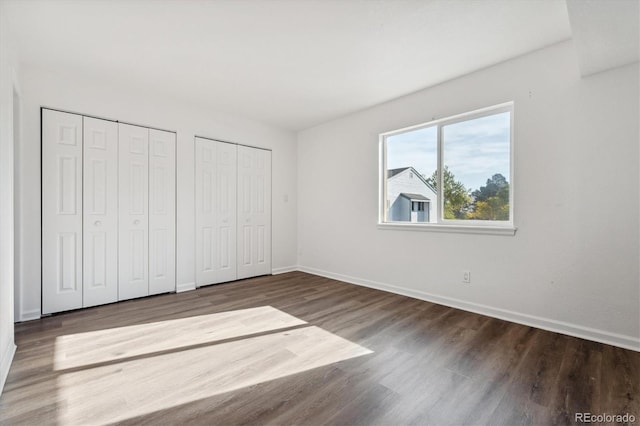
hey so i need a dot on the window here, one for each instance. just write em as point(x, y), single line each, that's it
point(458, 168)
point(417, 206)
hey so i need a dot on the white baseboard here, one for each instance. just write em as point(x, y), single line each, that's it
point(185, 287)
point(5, 364)
point(284, 270)
point(31, 315)
point(623, 341)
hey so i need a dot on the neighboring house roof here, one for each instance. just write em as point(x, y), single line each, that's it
point(392, 172)
point(415, 197)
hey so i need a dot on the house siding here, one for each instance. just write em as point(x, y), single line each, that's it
point(400, 207)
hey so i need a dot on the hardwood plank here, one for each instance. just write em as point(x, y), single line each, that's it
point(301, 349)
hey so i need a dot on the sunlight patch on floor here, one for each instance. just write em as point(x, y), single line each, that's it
point(83, 349)
point(126, 389)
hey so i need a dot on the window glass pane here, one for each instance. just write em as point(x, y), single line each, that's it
point(411, 163)
point(476, 156)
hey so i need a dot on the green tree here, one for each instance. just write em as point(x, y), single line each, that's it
point(495, 187)
point(456, 196)
point(491, 202)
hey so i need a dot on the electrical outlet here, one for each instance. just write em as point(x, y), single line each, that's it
point(466, 277)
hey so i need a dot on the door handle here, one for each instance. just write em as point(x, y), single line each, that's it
point(136, 222)
point(97, 223)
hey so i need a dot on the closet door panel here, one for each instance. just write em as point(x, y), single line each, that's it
point(133, 196)
point(215, 212)
point(162, 211)
point(100, 212)
point(61, 211)
point(225, 211)
point(204, 187)
point(254, 212)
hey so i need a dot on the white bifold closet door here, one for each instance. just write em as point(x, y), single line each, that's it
point(147, 193)
point(254, 212)
point(61, 211)
point(108, 211)
point(215, 211)
point(100, 212)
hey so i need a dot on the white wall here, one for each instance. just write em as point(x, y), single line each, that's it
point(74, 92)
point(570, 267)
point(8, 81)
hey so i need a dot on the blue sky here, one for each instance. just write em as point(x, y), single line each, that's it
point(474, 150)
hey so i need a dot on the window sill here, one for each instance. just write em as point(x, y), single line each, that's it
point(458, 229)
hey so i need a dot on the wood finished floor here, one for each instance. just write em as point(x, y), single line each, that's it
point(306, 350)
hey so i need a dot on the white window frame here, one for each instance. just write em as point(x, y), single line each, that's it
point(449, 225)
